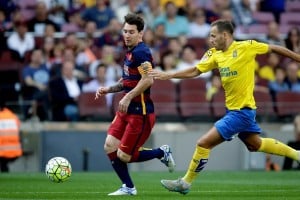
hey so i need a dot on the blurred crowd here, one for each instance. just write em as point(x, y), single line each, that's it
point(68, 47)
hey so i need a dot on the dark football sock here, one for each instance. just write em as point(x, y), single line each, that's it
point(121, 169)
point(149, 154)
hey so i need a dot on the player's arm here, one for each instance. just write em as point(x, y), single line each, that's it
point(144, 83)
point(182, 74)
point(111, 89)
point(284, 52)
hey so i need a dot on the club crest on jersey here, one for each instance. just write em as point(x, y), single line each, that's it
point(129, 56)
point(234, 54)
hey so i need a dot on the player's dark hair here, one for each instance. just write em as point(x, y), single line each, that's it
point(224, 25)
point(134, 19)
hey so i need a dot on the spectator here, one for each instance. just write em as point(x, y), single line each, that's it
point(90, 30)
point(243, 13)
point(20, 41)
point(64, 93)
point(216, 9)
point(292, 41)
point(189, 58)
point(273, 34)
point(48, 50)
point(292, 78)
point(114, 70)
point(10, 144)
point(175, 47)
point(101, 14)
point(275, 7)
point(112, 35)
point(75, 21)
point(149, 39)
point(68, 55)
point(35, 89)
point(288, 163)
point(38, 23)
point(214, 86)
point(84, 55)
point(168, 63)
point(267, 71)
point(278, 85)
point(58, 11)
point(130, 6)
point(160, 39)
point(151, 11)
point(198, 26)
point(99, 81)
point(5, 25)
point(171, 21)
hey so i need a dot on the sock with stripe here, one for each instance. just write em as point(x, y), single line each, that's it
point(197, 163)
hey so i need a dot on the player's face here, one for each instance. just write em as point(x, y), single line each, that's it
point(131, 35)
point(217, 39)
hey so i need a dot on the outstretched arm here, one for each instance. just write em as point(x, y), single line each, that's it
point(284, 52)
point(182, 74)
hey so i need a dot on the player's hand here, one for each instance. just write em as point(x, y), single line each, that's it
point(101, 91)
point(123, 104)
point(157, 74)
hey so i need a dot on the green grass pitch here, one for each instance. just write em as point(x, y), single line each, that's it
point(211, 185)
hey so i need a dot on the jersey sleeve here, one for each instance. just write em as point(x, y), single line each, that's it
point(207, 62)
point(143, 61)
point(258, 47)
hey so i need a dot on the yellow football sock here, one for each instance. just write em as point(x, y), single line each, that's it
point(197, 163)
point(269, 145)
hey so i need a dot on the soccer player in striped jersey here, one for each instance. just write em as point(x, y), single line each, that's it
point(135, 118)
point(236, 64)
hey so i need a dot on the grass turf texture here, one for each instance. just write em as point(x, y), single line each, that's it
point(209, 185)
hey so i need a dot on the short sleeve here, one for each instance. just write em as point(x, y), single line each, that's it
point(207, 62)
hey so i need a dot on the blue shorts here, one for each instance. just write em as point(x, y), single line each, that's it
point(237, 122)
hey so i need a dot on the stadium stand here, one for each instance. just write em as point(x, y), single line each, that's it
point(91, 108)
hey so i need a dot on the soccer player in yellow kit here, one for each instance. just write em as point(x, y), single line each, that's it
point(236, 64)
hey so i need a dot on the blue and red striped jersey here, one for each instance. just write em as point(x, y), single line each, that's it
point(141, 104)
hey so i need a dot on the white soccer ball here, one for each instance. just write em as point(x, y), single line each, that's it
point(58, 169)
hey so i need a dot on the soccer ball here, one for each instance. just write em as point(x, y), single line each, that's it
point(58, 169)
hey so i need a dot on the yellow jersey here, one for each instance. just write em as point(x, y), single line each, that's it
point(237, 68)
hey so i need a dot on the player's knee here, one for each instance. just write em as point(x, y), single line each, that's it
point(123, 156)
point(252, 147)
point(108, 147)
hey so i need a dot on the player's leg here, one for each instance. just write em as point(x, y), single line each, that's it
point(112, 142)
point(224, 129)
point(142, 154)
point(197, 163)
point(268, 145)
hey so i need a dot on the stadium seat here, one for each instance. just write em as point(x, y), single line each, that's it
point(197, 42)
point(70, 28)
point(193, 104)
point(163, 86)
point(89, 108)
point(287, 103)
point(264, 104)
point(218, 104)
point(292, 6)
point(257, 29)
point(165, 104)
point(195, 84)
point(164, 96)
point(290, 18)
point(200, 45)
point(262, 59)
point(263, 17)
